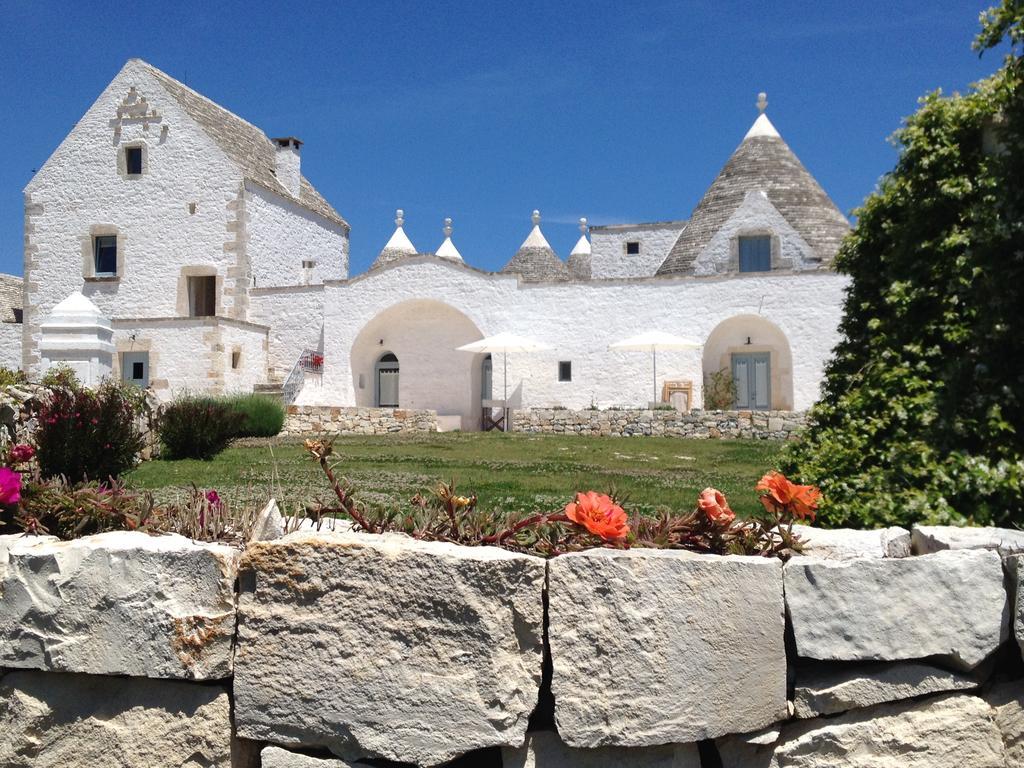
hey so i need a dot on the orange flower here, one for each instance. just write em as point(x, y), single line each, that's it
point(598, 514)
point(781, 495)
point(713, 504)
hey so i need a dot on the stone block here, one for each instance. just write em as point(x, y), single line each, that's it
point(270, 523)
point(340, 633)
point(275, 757)
point(1015, 573)
point(950, 604)
point(828, 689)
point(120, 603)
point(60, 720)
point(935, 538)
point(952, 731)
point(545, 749)
point(847, 543)
point(1007, 701)
point(664, 646)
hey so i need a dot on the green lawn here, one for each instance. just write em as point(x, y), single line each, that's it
point(515, 472)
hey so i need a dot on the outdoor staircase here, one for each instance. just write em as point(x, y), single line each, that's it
point(273, 388)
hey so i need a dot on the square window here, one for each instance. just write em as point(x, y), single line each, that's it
point(133, 161)
point(138, 370)
point(565, 370)
point(756, 254)
point(202, 296)
point(633, 248)
point(104, 249)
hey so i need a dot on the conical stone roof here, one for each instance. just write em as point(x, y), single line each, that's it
point(536, 261)
point(398, 247)
point(447, 249)
point(764, 162)
point(579, 265)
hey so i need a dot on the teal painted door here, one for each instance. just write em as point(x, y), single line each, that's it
point(751, 373)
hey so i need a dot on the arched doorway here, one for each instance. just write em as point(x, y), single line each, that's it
point(385, 394)
point(752, 355)
point(423, 334)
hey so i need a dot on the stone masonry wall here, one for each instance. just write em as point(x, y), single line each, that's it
point(325, 649)
point(312, 419)
point(761, 425)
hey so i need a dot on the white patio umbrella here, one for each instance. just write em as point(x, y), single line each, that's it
point(653, 341)
point(504, 343)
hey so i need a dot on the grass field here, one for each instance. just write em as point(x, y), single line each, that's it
point(514, 472)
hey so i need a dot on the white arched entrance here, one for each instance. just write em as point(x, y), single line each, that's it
point(405, 358)
point(755, 353)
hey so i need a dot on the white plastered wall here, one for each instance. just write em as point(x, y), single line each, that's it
point(608, 249)
point(281, 235)
point(295, 318)
point(580, 322)
point(10, 345)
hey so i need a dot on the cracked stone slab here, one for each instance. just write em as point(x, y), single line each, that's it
point(847, 543)
point(1015, 572)
point(120, 603)
point(544, 749)
point(275, 757)
point(664, 646)
point(948, 604)
point(935, 538)
point(60, 720)
point(385, 646)
point(1007, 701)
point(828, 689)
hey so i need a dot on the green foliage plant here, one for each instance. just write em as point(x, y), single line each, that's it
point(922, 414)
point(262, 416)
point(719, 390)
point(88, 434)
point(197, 427)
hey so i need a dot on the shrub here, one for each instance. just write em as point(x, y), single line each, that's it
point(9, 377)
point(262, 416)
point(86, 434)
point(198, 427)
point(923, 400)
point(719, 390)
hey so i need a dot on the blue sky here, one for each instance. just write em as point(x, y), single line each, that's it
point(615, 111)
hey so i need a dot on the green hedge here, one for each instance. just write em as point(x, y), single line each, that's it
point(262, 416)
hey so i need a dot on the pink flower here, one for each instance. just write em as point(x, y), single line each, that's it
point(213, 498)
point(21, 453)
point(10, 486)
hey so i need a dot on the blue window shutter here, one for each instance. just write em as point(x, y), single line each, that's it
point(755, 254)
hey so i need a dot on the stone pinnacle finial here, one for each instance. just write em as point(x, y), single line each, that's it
point(762, 101)
point(447, 227)
point(583, 224)
point(536, 218)
point(399, 217)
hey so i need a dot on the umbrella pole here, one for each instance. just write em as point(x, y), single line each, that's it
point(654, 358)
point(504, 378)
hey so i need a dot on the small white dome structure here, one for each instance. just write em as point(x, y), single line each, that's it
point(579, 259)
point(78, 335)
point(447, 249)
point(398, 247)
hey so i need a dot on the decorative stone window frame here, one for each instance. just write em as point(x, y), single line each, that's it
point(199, 270)
point(89, 253)
point(775, 245)
point(122, 160)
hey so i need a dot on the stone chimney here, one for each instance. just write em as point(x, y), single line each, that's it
point(287, 163)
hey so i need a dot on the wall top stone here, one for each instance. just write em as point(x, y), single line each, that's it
point(935, 538)
point(949, 604)
point(846, 543)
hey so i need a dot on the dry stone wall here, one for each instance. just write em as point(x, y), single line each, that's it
point(329, 649)
point(316, 419)
point(764, 425)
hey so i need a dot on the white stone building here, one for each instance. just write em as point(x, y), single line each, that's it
point(221, 268)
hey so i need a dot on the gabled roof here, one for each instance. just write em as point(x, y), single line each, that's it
point(536, 261)
point(763, 161)
point(10, 298)
point(245, 144)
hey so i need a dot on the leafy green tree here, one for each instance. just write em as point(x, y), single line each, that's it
point(922, 414)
